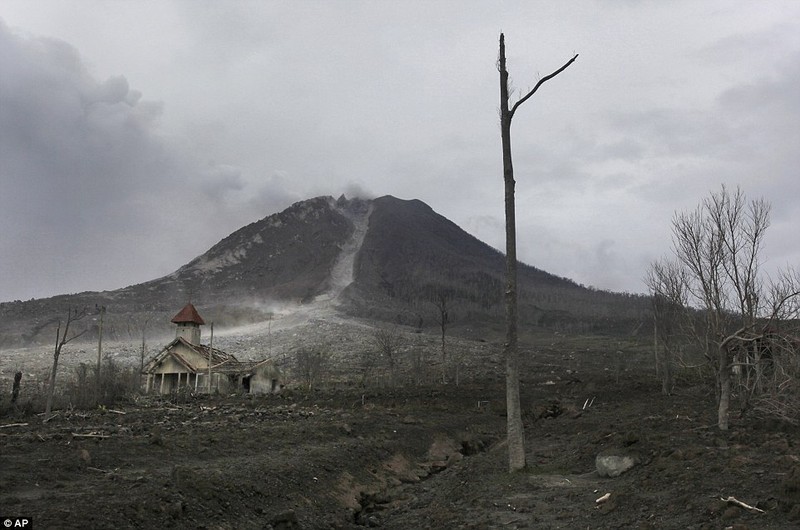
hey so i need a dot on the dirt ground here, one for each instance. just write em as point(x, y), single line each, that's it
point(411, 457)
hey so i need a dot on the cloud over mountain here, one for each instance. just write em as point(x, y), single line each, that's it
point(175, 122)
point(87, 173)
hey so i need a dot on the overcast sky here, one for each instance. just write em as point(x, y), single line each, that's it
point(135, 135)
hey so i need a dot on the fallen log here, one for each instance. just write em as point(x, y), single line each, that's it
point(603, 499)
point(740, 504)
point(90, 435)
point(50, 417)
point(98, 470)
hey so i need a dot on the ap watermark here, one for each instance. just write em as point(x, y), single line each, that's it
point(16, 522)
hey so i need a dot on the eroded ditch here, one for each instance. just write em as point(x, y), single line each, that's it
point(405, 474)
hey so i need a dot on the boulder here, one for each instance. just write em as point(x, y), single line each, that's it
point(613, 465)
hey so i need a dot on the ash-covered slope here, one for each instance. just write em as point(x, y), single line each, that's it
point(291, 256)
point(386, 259)
point(286, 256)
point(410, 251)
point(413, 257)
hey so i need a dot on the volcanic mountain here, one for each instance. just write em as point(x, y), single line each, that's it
point(386, 258)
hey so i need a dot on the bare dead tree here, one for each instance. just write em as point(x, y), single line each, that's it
point(515, 432)
point(775, 366)
point(368, 363)
point(311, 363)
point(15, 387)
point(143, 351)
point(63, 337)
point(98, 379)
point(442, 303)
point(784, 295)
point(718, 247)
point(667, 284)
point(388, 341)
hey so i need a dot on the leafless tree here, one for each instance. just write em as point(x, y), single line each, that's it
point(311, 363)
point(771, 374)
point(63, 337)
point(136, 328)
point(368, 363)
point(719, 244)
point(443, 318)
point(667, 283)
point(388, 342)
point(15, 387)
point(515, 432)
point(718, 248)
point(418, 364)
point(98, 369)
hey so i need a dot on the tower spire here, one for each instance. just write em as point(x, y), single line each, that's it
point(189, 322)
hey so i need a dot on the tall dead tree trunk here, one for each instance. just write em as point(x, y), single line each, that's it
point(61, 340)
point(443, 318)
point(143, 351)
point(724, 376)
point(667, 282)
point(15, 387)
point(97, 382)
point(515, 431)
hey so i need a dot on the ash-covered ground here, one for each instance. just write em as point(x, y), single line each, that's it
point(409, 456)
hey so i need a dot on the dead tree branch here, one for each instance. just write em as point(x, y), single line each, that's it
point(540, 83)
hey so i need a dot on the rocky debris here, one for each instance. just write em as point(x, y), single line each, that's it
point(614, 465)
point(85, 457)
point(285, 521)
point(384, 457)
point(552, 409)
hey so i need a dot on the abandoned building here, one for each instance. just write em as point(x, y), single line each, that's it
point(183, 364)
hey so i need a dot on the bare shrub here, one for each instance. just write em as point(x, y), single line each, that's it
point(80, 390)
point(418, 365)
point(116, 384)
point(389, 342)
point(368, 364)
point(310, 365)
point(713, 295)
point(63, 337)
point(31, 397)
point(772, 381)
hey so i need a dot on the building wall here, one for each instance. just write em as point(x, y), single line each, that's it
point(199, 361)
point(176, 376)
point(170, 365)
point(265, 380)
point(172, 382)
point(189, 331)
point(219, 383)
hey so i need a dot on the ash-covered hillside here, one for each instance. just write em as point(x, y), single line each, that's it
point(413, 258)
point(285, 256)
point(386, 259)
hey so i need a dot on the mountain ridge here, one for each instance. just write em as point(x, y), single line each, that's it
point(405, 256)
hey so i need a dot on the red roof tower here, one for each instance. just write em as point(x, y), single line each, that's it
point(189, 322)
point(188, 315)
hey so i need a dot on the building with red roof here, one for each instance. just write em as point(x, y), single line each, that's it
point(187, 365)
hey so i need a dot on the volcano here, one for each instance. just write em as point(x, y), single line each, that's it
point(384, 259)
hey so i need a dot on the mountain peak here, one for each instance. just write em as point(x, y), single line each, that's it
point(384, 258)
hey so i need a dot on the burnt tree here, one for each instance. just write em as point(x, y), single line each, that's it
point(62, 338)
point(442, 303)
point(515, 433)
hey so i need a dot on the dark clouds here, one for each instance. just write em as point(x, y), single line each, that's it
point(260, 104)
point(94, 195)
